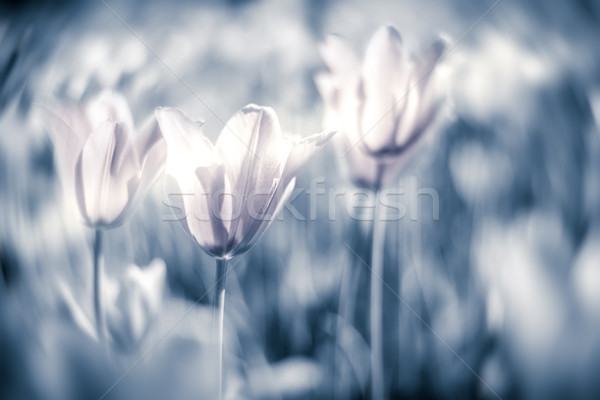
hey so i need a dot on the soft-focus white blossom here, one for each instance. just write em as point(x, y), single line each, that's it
point(102, 162)
point(134, 301)
point(382, 107)
point(232, 191)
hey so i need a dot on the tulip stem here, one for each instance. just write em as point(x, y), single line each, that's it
point(97, 285)
point(219, 316)
point(377, 378)
point(2, 280)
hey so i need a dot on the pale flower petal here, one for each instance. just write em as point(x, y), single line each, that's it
point(254, 153)
point(425, 65)
point(383, 70)
point(200, 218)
point(175, 201)
point(104, 200)
point(152, 152)
point(109, 105)
point(214, 199)
point(67, 147)
point(149, 134)
point(249, 138)
point(256, 229)
point(326, 87)
point(338, 55)
point(187, 146)
point(135, 302)
point(302, 151)
point(74, 118)
point(408, 116)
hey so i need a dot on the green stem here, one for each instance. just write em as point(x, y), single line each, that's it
point(219, 316)
point(98, 285)
point(377, 378)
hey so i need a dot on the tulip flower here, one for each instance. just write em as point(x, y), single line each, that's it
point(102, 163)
point(382, 108)
point(104, 166)
point(134, 301)
point(231, 191)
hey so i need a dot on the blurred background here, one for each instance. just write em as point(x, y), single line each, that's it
point(498, 297)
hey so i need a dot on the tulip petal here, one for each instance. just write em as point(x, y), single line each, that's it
point(67, 147)
point(302, 151)
point(350, 102)
point(327, 89)
point(407, 116)
point(175, 201)
point(109, 105)
point(430, 98)
point(425, 65)
point(105, 196)
point(249, 138)
point(330, 96)
point(74, 119)
point(258, 228)
point(421, 104)
point(139, 178)
point(271, 202)
point(340, 87)
point(138, 185)
point(151, 148)
point(136, 300)
point(384, 69)
point(187, 146)
point(338, 55)
point(254, 153)
point(152, 166)
point(255, 213)
point(79, 190)
point(201, 217)
point(125, 164)
point(212, 180)
point(188, 151)
point(149, 134)
point(184, 137)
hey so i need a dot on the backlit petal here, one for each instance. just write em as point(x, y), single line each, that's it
point(338, 55)
point(109, 105)
point(302, 151)
point(105, 196)
point(384, 69)
point(213, 182)
point(254, 153)
point(187, 146)
point(256, 230)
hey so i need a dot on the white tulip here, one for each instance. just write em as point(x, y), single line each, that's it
point(382, 108)
point(102, 163)
point(232, 191)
